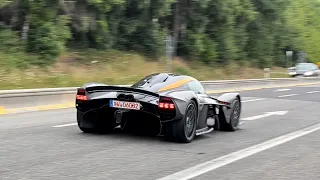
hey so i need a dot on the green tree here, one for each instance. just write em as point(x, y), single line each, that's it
point(212, 31)
point(304, 23)
point(49, 31)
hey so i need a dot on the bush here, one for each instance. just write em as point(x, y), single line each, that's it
point(49, 39)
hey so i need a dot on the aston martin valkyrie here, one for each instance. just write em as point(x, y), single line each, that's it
point(170, 105)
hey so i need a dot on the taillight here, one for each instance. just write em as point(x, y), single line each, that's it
point(223, 102)
point(81, 95)
point(166, 103)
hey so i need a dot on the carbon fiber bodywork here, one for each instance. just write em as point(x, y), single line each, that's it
point(182, 90)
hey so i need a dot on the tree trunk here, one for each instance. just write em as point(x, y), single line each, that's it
point(25, 28)
point(176, 26)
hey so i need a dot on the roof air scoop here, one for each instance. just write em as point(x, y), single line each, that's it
point(160, 78)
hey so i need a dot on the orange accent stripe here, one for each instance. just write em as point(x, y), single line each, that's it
point(176, 84)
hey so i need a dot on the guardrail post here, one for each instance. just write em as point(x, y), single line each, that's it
point(266, 73)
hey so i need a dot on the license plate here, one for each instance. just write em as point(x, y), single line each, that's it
point(125, 105)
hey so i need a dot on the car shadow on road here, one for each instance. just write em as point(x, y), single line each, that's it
point(118, 133)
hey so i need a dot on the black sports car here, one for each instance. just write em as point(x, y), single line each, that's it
point(172, 105)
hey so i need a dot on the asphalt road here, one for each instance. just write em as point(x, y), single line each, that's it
point(33, 146)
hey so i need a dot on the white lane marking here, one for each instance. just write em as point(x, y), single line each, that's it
point(238, 155)
point(251, 100)
point(65, 125)
point(281, 90)
point(267, 114)
point(288, 95)
point(311, 92)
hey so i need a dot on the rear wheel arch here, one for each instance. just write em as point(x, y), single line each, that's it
point(226, 124)
point(195, 100)
point(197, 106)
point(239, 97)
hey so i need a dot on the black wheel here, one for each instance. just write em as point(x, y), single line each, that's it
point(234, 117)
point(184, 130)
point(86, 130)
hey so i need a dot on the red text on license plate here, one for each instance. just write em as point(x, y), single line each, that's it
point(125, 105)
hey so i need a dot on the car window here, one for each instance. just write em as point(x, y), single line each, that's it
point(302, 67)
point(312, 67)
point(196, 86)
point(315, 67)
point(145, 80)
point(306, 67)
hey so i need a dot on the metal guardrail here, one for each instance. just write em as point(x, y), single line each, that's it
point(246, 81)
point(28, 100)
point(71, 90)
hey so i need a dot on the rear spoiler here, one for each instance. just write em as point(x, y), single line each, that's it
point(93, 89)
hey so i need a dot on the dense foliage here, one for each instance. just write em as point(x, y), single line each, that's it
point(213, 31)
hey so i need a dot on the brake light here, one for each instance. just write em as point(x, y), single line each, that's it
point(223, 102)
point(166, 103)
point(81, 95)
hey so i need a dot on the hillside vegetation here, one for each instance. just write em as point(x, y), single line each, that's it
point(116, 67)
point(214, 39)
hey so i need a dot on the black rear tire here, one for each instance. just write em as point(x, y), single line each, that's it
point(183, 130)
point(86, 130)
point(234, 117)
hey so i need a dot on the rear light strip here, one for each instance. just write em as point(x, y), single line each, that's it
point(82, 97)
point(223, 102)
point(166, 105)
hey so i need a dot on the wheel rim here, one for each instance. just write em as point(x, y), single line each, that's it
point(236, 114)
point(190, 121)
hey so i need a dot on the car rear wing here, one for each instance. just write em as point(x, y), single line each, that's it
point(94, 89)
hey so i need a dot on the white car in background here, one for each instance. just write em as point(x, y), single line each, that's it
point(305, 70)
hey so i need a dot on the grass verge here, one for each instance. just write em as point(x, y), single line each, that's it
point(115, 67)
